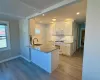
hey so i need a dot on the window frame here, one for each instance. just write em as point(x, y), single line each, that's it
point(7, 36)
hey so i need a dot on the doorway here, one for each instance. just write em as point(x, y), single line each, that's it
point(82, 37)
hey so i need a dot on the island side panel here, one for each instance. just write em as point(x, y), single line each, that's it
point(41, 59)
point(54, 59)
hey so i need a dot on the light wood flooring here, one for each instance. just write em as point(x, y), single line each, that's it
point(70, 68)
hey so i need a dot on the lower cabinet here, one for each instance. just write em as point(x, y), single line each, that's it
point(66, 49)
point(47, 61)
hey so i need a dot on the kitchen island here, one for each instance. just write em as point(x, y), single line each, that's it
point(45, 56)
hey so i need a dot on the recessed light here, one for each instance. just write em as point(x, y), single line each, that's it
point(43, 14)
point(78, 13)
point(53, 19)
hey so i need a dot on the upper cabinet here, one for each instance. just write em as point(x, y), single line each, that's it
point(68, 30)
point(64, 28)
point(62, 31)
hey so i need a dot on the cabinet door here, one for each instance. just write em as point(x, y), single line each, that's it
point(68, 29)
point(59, 26)
point(41, 59)
point(66, 50)
point(65, 27)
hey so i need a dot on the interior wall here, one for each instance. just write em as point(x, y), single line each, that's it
point(91, 60)
point(42, 36)
point(24, 38)
point(43, 28)
point(14, 40)
point(31, 27)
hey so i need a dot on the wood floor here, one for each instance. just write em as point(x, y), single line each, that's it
point(70, 68)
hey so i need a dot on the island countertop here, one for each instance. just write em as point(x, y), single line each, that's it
point(44, 48)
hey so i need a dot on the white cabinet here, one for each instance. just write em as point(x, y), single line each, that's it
point(59, 28)
point(68, 29)
point(66, 49)
point(47, 61)
point(65, 27)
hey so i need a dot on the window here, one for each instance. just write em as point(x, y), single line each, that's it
point(4, 36)
point(37, 31)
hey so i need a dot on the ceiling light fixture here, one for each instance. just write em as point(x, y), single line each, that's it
point(78, 13)
point(43, 14)
point(53, 19)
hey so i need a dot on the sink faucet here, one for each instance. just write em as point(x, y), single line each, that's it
point(34, 39)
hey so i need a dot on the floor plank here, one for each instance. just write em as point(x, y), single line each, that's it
point(70, 68)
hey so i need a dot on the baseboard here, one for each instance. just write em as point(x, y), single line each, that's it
point(9, 59)
point(25, 58)
point(14, 58)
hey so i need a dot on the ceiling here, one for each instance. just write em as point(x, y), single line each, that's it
point(40, 4)
point(22, 8)
point(65, 12)
point(19, 9)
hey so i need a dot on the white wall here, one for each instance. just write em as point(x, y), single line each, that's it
point(91, 61)
point(14, 40)
point(43, 31)
point(32, 27)
point(42, 36)
point(24, 38)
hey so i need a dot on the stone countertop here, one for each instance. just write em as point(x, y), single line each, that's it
point(44, 48)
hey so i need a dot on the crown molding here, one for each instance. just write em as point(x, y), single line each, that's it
point(35, 9)
point(11, 15)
